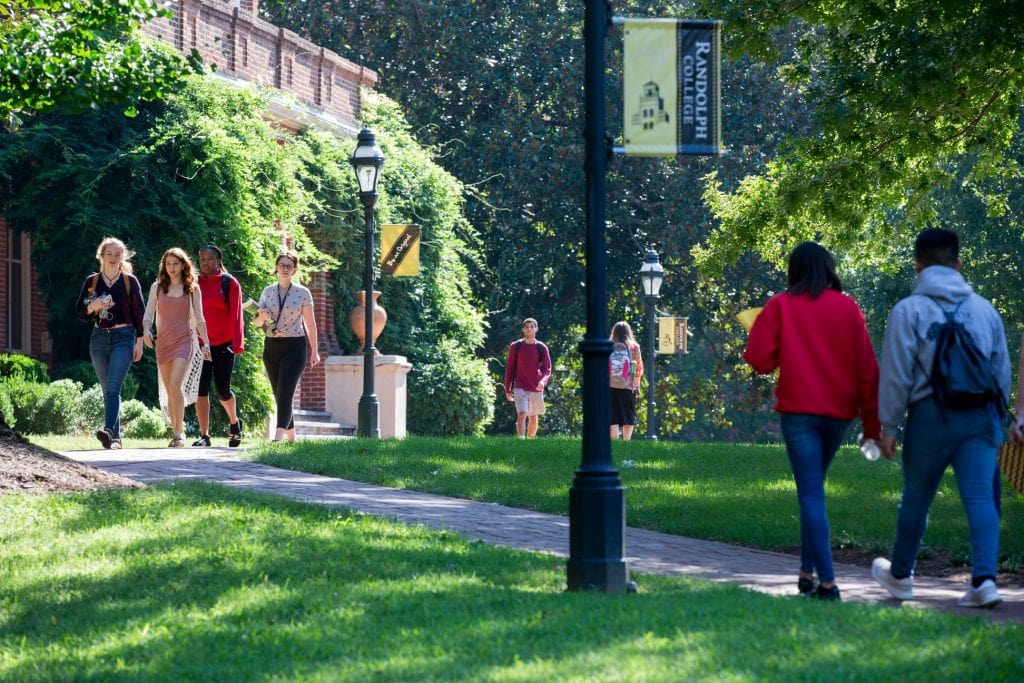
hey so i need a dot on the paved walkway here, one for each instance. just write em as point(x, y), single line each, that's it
point(646, 551)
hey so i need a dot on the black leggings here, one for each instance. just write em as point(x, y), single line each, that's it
point(285, 359)
point(219, 370)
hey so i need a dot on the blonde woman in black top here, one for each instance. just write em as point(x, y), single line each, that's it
point(111, 299)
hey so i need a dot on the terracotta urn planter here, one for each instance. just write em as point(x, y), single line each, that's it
point(357, 319)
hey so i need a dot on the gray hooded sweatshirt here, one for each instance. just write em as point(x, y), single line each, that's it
point(909, 345)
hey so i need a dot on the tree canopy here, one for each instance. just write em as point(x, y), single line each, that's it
point(69, 55)
point(909, 99)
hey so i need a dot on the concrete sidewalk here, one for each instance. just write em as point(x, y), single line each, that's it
point(646, 551)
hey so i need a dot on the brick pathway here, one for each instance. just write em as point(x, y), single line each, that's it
point(646, 551)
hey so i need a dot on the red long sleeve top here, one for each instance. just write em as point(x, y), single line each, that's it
point(527, 366)
point(824, 355)
point(223, 318)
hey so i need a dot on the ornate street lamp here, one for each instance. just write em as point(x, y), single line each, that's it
point(651, 276)
point(367, 161)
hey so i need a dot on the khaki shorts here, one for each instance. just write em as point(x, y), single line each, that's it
point(529, 402)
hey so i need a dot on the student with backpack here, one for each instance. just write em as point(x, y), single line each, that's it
point(817, 339)
point(527, 372)
point(111, 299)
point(625, 367)
point(222, 307)
point(946, 369)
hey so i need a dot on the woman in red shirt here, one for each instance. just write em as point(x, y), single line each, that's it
point(828, 376)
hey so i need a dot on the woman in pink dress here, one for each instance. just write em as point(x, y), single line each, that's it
point(176, 306)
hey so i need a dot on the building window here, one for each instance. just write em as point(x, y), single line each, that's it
point(19, 292)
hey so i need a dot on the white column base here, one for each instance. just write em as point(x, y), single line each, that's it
point(345, 387)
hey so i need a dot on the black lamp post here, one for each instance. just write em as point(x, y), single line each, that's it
point(597, 501)
point(651, 276)
point(367, 160)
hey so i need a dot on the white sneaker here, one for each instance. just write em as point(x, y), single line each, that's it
point(984, 595)
point(902, 589)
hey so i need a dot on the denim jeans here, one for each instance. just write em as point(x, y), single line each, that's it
point(812, 442)
point(111, 354)
point(967, 440)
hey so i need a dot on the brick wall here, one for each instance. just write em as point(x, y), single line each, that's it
point(39, 345)
point(229, 35)
point(42, 349)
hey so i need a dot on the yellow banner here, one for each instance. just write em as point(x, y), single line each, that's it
point(672, 335)
point(650, 89)
point(671, 87)
point(400, 250)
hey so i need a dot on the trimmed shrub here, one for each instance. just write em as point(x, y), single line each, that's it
point(28, 369)
point(45, 408)
point(59, 410)
point(6, 405)
point(450, 392)
point(90, 414)
point(141, 422)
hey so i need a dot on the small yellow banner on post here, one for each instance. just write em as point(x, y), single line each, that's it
point(672, 335)
point(400, 250)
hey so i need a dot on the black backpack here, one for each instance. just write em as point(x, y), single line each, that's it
point(961, 376)
point(225, 286)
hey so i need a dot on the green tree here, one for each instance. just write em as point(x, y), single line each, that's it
point(909, 98)
point(496, 88)
point(69, 55)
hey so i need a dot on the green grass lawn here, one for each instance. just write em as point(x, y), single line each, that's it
point(735, 493)
point(193, 582)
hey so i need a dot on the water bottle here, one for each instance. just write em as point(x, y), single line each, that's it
point(870, 448)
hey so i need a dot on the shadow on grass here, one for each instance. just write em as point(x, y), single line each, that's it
point(197, 582)
point(734, 493)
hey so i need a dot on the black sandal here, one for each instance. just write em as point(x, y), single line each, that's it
point(235, 434)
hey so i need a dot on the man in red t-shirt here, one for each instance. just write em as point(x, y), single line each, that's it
point(526, 374)
point(222, 308)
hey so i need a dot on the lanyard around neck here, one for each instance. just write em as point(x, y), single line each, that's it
point(280, 302)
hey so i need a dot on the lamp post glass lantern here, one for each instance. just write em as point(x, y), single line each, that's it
point(651, 277)
point(367, 161)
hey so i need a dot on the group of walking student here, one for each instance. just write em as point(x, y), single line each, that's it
point(195, 325)
point(828, 376)
point(528, 371)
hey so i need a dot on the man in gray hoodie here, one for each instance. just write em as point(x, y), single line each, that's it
point(938, 436)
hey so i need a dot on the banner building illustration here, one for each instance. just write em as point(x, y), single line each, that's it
point(671, 87)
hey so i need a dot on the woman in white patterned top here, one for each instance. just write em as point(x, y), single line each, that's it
point(286, 310)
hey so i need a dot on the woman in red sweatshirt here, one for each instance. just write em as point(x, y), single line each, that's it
point(828, 376)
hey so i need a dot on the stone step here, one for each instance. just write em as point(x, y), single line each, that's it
point(304, 427)
point(312, 415)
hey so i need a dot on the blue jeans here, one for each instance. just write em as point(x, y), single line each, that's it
point(812, 442)
point(111, 354)
point(967, 440)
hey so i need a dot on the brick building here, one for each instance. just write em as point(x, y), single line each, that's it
point(312, 86)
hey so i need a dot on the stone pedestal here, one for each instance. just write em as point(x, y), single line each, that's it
point(345, 386)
